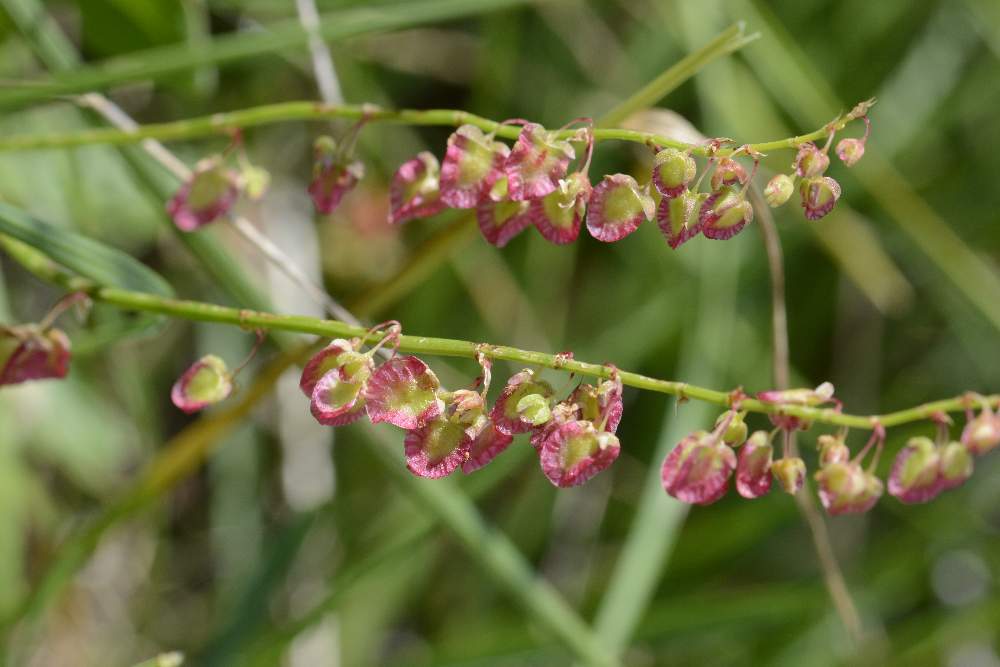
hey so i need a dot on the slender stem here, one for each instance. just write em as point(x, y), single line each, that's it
point(447, 347)
point(224, 123)
point(272, 253)
point(833, 576)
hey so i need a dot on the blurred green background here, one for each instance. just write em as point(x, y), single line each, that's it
point(294, 544)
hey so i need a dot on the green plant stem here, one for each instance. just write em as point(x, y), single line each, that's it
point(227, 123)
point(833, 576)
point(447, 347)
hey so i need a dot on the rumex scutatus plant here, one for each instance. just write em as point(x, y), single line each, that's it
point(543, 181)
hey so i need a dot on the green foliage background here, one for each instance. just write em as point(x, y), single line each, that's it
point(885, 299)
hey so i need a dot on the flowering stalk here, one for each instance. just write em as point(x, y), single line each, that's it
point(225, 124)
point(447, 347)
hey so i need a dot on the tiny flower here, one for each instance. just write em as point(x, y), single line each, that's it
point(600, 405)
point(27, 353)
point(536, 163)
point(415, 191)
point(698, 469)
point(680, 218)
point(207, 195)
point(956, 465)
point(337, 398)
point(673, 171)
point(333, 175)
point(558, 216)
point(810, 162)
point(915, 472)
point(436, 449)
point(982, 433)
point(505, 413)
point(617, 207)
point(819, 195)
point(753, 467)
point(563, 412)
point(340, 354)
point(472, 165)
point(810, 397)
point(844, 488)
point(487, 445)
point(736, 431)
point(728, 172)
point(403, 392)
point(576, 451)
point(778, 190)
point(832, 450)
point(725, 213)
point(850, 151)
point(205, 383)
point(790, 473)
point(500, 222)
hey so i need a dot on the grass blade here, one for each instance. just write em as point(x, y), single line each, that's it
point(729, 40)
point(160, 62)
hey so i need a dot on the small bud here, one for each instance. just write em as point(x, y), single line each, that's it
point(850, 151)
point(673, 171)
point(982, 433)
point(255, 180)
point(728, 172)
point(206, 196)
point(333, 175)
point(725, 213)
point(576, 451)
point(956, 465)
point(403, 392)
point(27, 353)
point(558, 216)
point(811, 162)
point(819, 195)
point(505, 412)
point(832, 450)
point(844, 488)
point(753, 467)
point(500, 222)
point(698, 469)
point(778, 190)
point(860, 109)
point(680, 218)
point(790, 473)
point(534, 409)
point(472, 165)
point(485, 447)
point(915, 472)
point(205, 383)
point(537, 163)
point(436, 449)
point(811, 397)
point(617, 207)
point(736, 432)
point(415, 189)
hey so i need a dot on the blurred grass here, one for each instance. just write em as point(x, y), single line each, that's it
point(894, 313)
